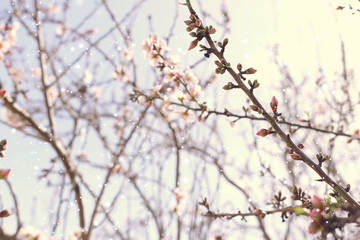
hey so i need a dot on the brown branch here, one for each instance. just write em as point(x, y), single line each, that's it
point(324, 176)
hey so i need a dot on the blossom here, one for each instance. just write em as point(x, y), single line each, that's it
point(61, 29)
point(152, 49)
point(232, 123)
point(186, 115)
point(87, 76)
point(30, 233)
point(4, 173)
point(191, 78)
point(180, 201)
point(53, 8)
point(121, 73)
point(178, 95)
point(127, 54)
point(172, 75)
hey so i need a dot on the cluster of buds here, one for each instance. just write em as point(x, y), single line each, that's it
point(299, 194)
point(221, 66)
point(256, 109)
point(204, 109)
point(260, 213)
point(278, 200)
point(294, 155)
point(317, 215)
point(253, 85)
point(247, 71)
point(322, 158)
point(204, 202)
point(195, 24)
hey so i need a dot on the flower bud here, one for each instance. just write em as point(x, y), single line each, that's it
point(274, 103)
point(218, 63)
point(254, 108)
point(263, 132)
point(5, 213)
point(193, 34)
point(3, 142)
point(250, 71)
point(4, 173)
point(212, 30)
point(188, 22)
point(229, 86)
point(295, 156)
point(197, 23)
point(239, 67)
point(3, 93)
point(225, 42)
point(193, 44)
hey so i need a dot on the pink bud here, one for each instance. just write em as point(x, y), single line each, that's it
point(250, 71)
point(4, 173)
point(317, 202)
point(197, 23)
point(239, 67)
point(263, 132)
point(193, 44)
point(5, 213)
point(3, 93)
point(274, 103)
point(187, 22)
point(295, 156)
point(313, 228)
point(212, 30)
point(228, 86)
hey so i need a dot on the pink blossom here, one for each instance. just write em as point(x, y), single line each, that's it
point(127, 54)
point(232, 123)
point(188, 116)
point(121, 73)
point(152, 48)
point(180, 201)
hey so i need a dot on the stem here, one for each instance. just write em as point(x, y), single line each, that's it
point(324, 176)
